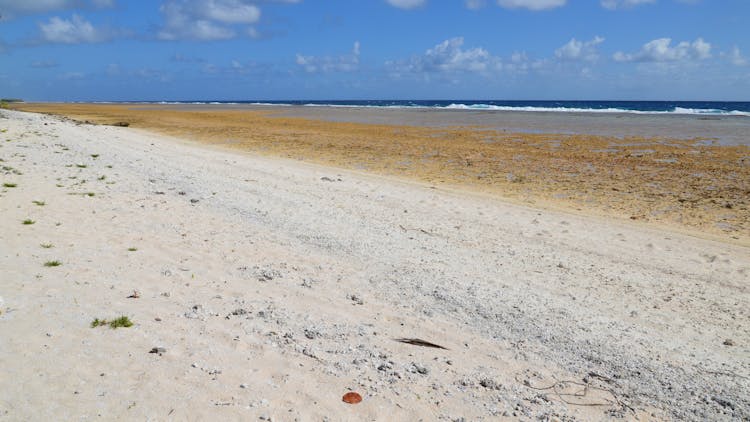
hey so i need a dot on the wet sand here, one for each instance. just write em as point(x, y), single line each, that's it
point(685, 173)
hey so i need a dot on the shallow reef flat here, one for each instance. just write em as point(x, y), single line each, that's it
point(698, 184)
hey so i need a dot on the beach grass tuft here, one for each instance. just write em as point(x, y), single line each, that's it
point(81, 166)
point(122, 321)
point(89, 194)
point(102, 177)
point(94, 155)
point(132, 249)
point(9, 185)
point(39, 203)
point(47, 245)
point(52, 263)
point(28, 222)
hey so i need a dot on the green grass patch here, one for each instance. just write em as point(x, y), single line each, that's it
point(52, 264)
point(132, 249)
point(122, 321)
point(94, 155)
point(9, 185)
point(47, 245)
point(39, 203)
point(89, 194)
point(102, 177)
point(81, 166)
point(28, 222)
point(98, 322)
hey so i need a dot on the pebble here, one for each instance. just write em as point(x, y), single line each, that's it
point(243, 385)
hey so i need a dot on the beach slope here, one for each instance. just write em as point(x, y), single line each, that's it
point(268, 288)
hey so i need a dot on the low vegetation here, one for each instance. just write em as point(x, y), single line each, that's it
point(122, 321)
point(28, 222)
point(52, 264)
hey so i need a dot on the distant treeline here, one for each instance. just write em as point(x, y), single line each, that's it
point(11, 100)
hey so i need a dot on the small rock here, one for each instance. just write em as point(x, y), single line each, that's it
point(417, 368)
point(159, 350)
point(194, 201)
point(728, 342)
point(243, 385)
point(489, 384)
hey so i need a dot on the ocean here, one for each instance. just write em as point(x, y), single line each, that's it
point(721, 108)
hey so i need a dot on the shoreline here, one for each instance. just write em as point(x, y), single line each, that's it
point(275, 286)
point(686, 184)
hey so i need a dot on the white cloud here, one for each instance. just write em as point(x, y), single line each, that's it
point(208, 20)
point(44, 64)
point(474, 4)
point(71, 31)
point(622, 4)
point(71, 76)
point(576, 50)
point(12, 8)
point(406, 4)
point(448, 57)
point(661, 50)
point(345, 63)
point(531, 4)
point(735, 56)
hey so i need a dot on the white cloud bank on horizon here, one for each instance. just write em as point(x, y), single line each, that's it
point(345, 63)
point(661, 50)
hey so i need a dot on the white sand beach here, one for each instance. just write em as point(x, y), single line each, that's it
point(274, 287)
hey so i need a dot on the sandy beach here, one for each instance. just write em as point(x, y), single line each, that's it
point(683, 173)
point(271, 270)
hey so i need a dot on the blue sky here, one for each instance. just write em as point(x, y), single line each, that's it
point(78, 50)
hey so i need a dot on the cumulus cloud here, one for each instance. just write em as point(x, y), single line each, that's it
point(345, 63)
point(75, 30)
point(661, 50)
point(12, 8)
point(208, 20)
point(531, 4)
point(44, 64)
point(623, 4)
point(735, 56)
point(576, 50)
point(448, 56)
point(406, 4)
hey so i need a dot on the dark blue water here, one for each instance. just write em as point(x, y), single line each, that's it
point(642, 107)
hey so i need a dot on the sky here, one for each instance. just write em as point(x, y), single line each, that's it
point(152, 50)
